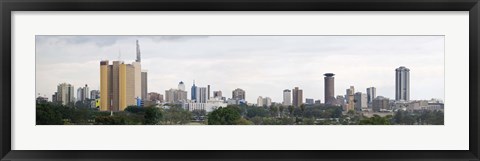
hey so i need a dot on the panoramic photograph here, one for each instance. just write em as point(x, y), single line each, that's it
point(239, 80)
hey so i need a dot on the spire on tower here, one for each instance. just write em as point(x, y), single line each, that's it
point(138, 52)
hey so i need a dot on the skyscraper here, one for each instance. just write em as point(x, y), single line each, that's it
point(117, 86)
point(380, 103)
point(287, 97)
point(208, 92)
point(65, 94)
point(80, 96)
point(402, 84)
point(371, 94)
point(297, 95)
point(144, 85)
point(181, 86)
point(201, 95)
point(259, 101)
point(83, 93)
point(267, 101)
point(349, 96)
point(193, 91)
point(138, 74)
point(329, 88)
point(238, 94)
point(360, 101)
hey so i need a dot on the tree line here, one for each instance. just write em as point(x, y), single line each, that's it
point(55, 114)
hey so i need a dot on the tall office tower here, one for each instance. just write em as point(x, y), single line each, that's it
point(86, 92)
point(193, 91)
point(267, 101)
point(65, 94)
point(287, 97)
point(181, 96)
point(80, 96)
point(217, 94)
point(349, 97)
point(297, 95)
point(126, 86)
point(238, 94)
point(83, 93)
point(201, 95)
point(371, 94)
point(360, 101)
point(181, 86)
point(117, 86)
point(329, 88)
point(259, 101)
point(144, 85)
point(208, 92)
point(170, 96)
point(94, 94)
point(402, 84)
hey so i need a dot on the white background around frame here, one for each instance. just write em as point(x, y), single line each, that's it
point(451, 136)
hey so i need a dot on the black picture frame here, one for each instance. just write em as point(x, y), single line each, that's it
point(7, 6)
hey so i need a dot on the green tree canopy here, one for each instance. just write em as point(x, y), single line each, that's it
point(224, 116)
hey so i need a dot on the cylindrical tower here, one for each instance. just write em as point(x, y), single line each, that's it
point(329, 88)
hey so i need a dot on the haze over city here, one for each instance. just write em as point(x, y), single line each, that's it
point(261, 65)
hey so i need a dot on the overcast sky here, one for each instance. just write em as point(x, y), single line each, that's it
point(261, 65)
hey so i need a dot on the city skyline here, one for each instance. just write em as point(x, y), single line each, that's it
point(279, 62)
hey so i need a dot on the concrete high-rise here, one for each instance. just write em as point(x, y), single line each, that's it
point(287, 97)
point(329, 88)
point(259, 101)
point(360, 101)
point(65, 94)
point(144, 85)
point(267, 101)
point(402, 84)
point(380, 103)
point(201, 95)
point(350, 99)
point(208, 92)
point(238, 94)
point(297, 97)
point(117, 86)
point(371, 94)
point(83, 93)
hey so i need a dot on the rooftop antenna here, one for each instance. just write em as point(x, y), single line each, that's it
point(138, 52)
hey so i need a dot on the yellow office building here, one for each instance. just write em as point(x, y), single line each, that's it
point(117, 86)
